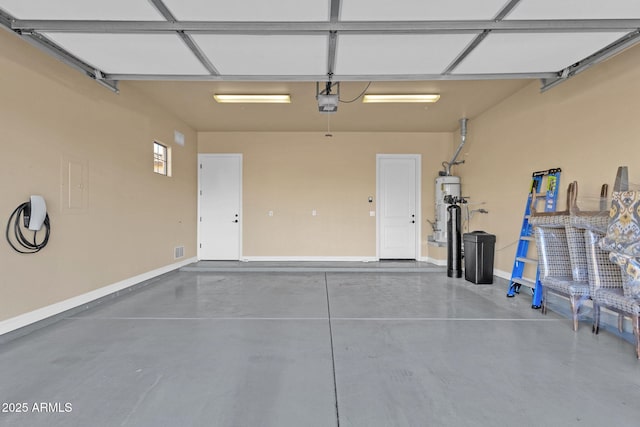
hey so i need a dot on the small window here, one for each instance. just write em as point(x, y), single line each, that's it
point(161, 159)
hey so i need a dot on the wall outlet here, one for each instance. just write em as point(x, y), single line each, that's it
point(314, 213)
point(270, 213)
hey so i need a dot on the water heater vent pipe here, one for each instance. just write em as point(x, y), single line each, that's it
point(463, 138)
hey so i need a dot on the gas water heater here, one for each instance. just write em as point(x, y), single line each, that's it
point(445, 186)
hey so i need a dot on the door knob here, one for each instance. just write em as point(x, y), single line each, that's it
point(413, 222)
point(235, 220)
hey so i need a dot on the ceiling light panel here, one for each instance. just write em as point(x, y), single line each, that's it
point(407, 98)
point(252, 99)
point(141, 10)
point(533, 52)
point(249, 10)
point(398, 54)
point(576, 9)
point(419, 10)
point(162, 54)
point(275, 55)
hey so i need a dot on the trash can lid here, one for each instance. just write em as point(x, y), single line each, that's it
point(479, 236)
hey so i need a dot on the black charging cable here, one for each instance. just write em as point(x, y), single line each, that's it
point(27, 247)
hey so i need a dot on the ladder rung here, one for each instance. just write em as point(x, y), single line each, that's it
point(524, 281)
point(543, 187)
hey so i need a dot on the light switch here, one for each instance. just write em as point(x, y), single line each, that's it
point(314, 213)
point(270, 213)
point(372, 213)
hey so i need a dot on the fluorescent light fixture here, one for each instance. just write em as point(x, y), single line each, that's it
point(253, 99)
point(401, 98)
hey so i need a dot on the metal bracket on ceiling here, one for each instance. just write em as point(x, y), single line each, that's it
point(334, 16)
point(46, 45)
point(480, 37)
point(603, 54)
point(186, 38)
point(329, 86)
point(52, 49)
point(5, 20)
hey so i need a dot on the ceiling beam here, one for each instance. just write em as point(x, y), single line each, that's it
point(46, 45)
point(213, 27)
point(480, 37)
point(474, 43)
point(337, 77)
point(506, 10)
point(187, 39)
point(602, 55)
point(62, 55)
point(334, 16)
point(5, 20)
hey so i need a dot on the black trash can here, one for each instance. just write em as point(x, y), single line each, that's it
point(478, 257)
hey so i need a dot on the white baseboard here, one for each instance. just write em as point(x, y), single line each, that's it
point(310, 258)
point(439, 262)
point(34, 316)
point(502, 274)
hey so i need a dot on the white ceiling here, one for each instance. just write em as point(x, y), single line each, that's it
point(576, 9)
point(81, 9)
point(531, 52)
point(397, 54)
point(310, 40)
point(179, 52)
point(265, 54)
point(249, 10)
point(419, 10)
point(116, 53)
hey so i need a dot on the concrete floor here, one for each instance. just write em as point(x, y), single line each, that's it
point(318, 349)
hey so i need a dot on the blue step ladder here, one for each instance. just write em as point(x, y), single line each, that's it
point(548, 180)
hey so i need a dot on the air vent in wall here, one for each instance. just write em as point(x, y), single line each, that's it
point(178, 252)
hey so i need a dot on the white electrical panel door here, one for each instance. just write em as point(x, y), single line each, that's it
point(220, 208)
point(398, 206)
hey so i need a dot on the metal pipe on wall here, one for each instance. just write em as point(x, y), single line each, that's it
point(463, 139)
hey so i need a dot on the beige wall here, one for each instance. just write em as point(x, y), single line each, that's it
point(295, 173)
point(130, 218)
point(588, 126)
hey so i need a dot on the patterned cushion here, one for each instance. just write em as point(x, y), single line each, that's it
point(631, 273)
point(577, 253)
point(615, 298)
point(623, 231)
point(602, 272)
point(623, 238)
point(553, 252)
point(566, 285)
point(549, 219)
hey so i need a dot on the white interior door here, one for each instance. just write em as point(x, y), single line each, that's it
point(398, 206)
point(220, 208)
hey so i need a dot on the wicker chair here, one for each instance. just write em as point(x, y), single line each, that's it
point(601, 272)
point(622, 241)
point(561, 257)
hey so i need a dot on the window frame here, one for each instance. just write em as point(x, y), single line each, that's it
point(161, 159)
